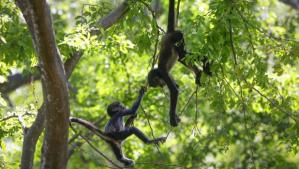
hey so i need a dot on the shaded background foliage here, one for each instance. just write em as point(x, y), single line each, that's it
point(244, 116)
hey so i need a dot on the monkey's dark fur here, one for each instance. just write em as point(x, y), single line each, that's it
point(116, 131)
point(172, 49)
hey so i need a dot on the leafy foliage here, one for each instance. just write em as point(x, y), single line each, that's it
point(244, 116)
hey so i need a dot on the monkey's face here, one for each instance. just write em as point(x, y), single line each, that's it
point(157, 82)
point(177, 36)
point(114, 108)
point(154, 79)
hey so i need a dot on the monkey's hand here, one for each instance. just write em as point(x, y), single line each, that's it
point(159, 140)
point(133, 116)
point(130, 120)
point(197, 79)
point(207, 66)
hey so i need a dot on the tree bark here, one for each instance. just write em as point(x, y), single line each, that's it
point(115, 15)
point(31, 138)
point(55, 91)
point(33, 133)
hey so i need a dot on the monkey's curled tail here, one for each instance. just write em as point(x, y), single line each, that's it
point(92, 128)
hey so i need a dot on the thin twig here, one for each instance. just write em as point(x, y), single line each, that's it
point(239, 84)
point(16, 116)
point(264, 32)
point(94, 148)
point(231, 40)
point(152, 130)
point(153, 14)
point(154, 57)
point(196, 104)
point(9, 117)
point(159, 164)
point(187, 103)
point(273, 103)
point(247, 29)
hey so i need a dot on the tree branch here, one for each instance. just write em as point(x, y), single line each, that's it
point(292, 3)
point(77, 144)
point(15, 116)
point(115, 15)
point(17, 80)
point(97, 150)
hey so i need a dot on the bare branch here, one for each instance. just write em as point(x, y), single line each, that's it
point(15, 116)
point(95, 149)
point(292, 3)
point(70, 63)
point(115, 15)
point(77, 144)
point(232, 41)
point(17, 80)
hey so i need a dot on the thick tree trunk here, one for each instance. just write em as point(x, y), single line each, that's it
point(56, 104)
point(33, 133)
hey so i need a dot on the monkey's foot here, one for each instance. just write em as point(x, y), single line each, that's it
point(127, 162)
point(174, 120)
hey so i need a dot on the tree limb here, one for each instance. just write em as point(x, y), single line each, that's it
point(76, 144)
point(292, 3)
point(115, 15)
point(17, 80)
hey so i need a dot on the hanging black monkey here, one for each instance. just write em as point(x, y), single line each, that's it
point(116, 131)
point(173, 49)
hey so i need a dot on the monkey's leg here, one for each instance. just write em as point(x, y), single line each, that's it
point(122, 135)
point(116, 148)
point(174, 93)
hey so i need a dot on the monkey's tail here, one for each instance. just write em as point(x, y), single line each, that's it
point(92, 128)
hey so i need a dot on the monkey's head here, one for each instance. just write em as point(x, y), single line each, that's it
point(154, 78)
point(177, 36)
point(114, 108)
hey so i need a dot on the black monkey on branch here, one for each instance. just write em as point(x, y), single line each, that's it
point(173, 49)
point(116, 131)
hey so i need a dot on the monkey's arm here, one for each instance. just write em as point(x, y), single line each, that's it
point(194, 69)
point(206, 64)
point(180, 49)
point(130, 120)
point(135, 106)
